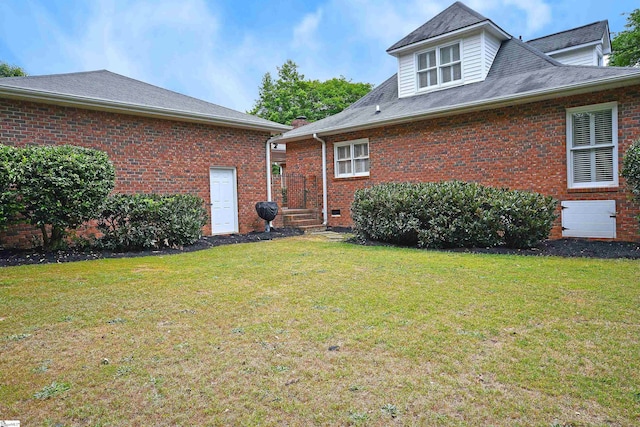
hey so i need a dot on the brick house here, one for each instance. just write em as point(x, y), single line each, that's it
point(470, 102)
point(159, 141)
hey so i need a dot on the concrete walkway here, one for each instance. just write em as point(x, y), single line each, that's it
point(331, 235)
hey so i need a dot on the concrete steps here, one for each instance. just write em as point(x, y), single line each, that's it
point(307, 220)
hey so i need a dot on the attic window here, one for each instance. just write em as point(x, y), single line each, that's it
point(439, 66)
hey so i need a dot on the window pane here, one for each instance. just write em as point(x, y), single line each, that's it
point(455, 52)
point(446, 74)
point(344, 152)
point(433, 77)
point(445, 55)
point(360, 150)
point(582, 166)
point(423, 79)
point(581, 129)
point(604, 164)
point(457, 72)
point(422, 61)
point(431, 57)
point(362, 165)
point(603, 127)
point(344, 167)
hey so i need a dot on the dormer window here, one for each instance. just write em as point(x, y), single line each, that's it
point(439, 66)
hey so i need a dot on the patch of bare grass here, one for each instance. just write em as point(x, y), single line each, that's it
point(302, 331)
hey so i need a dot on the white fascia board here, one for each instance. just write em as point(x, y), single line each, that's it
point(572, 48)
point(499, 102)
point(487, 25)
point(133, 109)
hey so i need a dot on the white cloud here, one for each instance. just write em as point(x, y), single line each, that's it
point(538, 13)
point(305, 33)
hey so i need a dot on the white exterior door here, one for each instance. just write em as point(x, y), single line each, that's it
point(589, 218)
point(224, 202)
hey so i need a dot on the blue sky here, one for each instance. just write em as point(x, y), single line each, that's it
point(218, 50)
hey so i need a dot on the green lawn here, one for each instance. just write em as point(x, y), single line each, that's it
point(304, 331)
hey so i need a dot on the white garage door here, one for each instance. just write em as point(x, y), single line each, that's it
point(224, 202)
point(589, 218)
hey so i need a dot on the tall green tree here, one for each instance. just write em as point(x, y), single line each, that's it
point(625, 46)
point(291, 95)
point(7, 70)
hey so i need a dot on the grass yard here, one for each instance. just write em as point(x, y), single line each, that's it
point(304, 331)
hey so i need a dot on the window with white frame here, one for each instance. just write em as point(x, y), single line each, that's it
point(351, 158)
point(592, 146)
point(439, 66)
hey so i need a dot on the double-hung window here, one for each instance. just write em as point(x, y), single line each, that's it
point(439, 66)
point(351, 158)
point(592, 146)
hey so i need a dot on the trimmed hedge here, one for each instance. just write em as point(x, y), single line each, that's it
point(451, 214)
point(146, 221)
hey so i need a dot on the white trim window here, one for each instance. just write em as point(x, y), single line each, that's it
point(351, 158)
point(439, 66)
point(592, 146)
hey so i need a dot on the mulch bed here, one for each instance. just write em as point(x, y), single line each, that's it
point(569, 248)
point(10, 257)
point(563, 247)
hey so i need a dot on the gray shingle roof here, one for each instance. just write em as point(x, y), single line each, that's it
point(518, 73)
point(114, 91)
point(574, 37)
point(453, 18)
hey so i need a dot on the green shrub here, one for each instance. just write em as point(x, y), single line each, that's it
point(9, 203)
point(144, 221)
point(631, 170)
point(61, 187)
point(451, 214)
point(525, 218)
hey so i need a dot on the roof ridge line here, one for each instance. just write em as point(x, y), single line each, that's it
point(570, 29)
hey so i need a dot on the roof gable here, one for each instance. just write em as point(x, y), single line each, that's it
point(574, 37)
point(110, 91)
point(455, 17)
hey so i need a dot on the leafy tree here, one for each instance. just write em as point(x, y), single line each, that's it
point(625, 46)
point(291, 95)
point(7, 70)
point(61, 187)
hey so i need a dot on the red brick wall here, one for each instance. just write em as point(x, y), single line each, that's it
point(520, 147)
point(150, 155)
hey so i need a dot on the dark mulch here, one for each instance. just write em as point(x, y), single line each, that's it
point(9, 257)
point(563, 247)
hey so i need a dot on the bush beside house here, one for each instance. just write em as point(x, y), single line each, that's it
point(452, 214)
point(53, 188)
point(144, 221)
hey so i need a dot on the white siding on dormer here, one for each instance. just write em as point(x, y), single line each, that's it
point(491, 47)
point(478, 50)
point(406, 75)
point(472, 58)
point(583, 56)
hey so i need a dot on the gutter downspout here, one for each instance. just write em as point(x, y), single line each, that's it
point(268, 161)
point(324, 178)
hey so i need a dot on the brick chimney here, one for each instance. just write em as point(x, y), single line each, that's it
point(299, 121)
